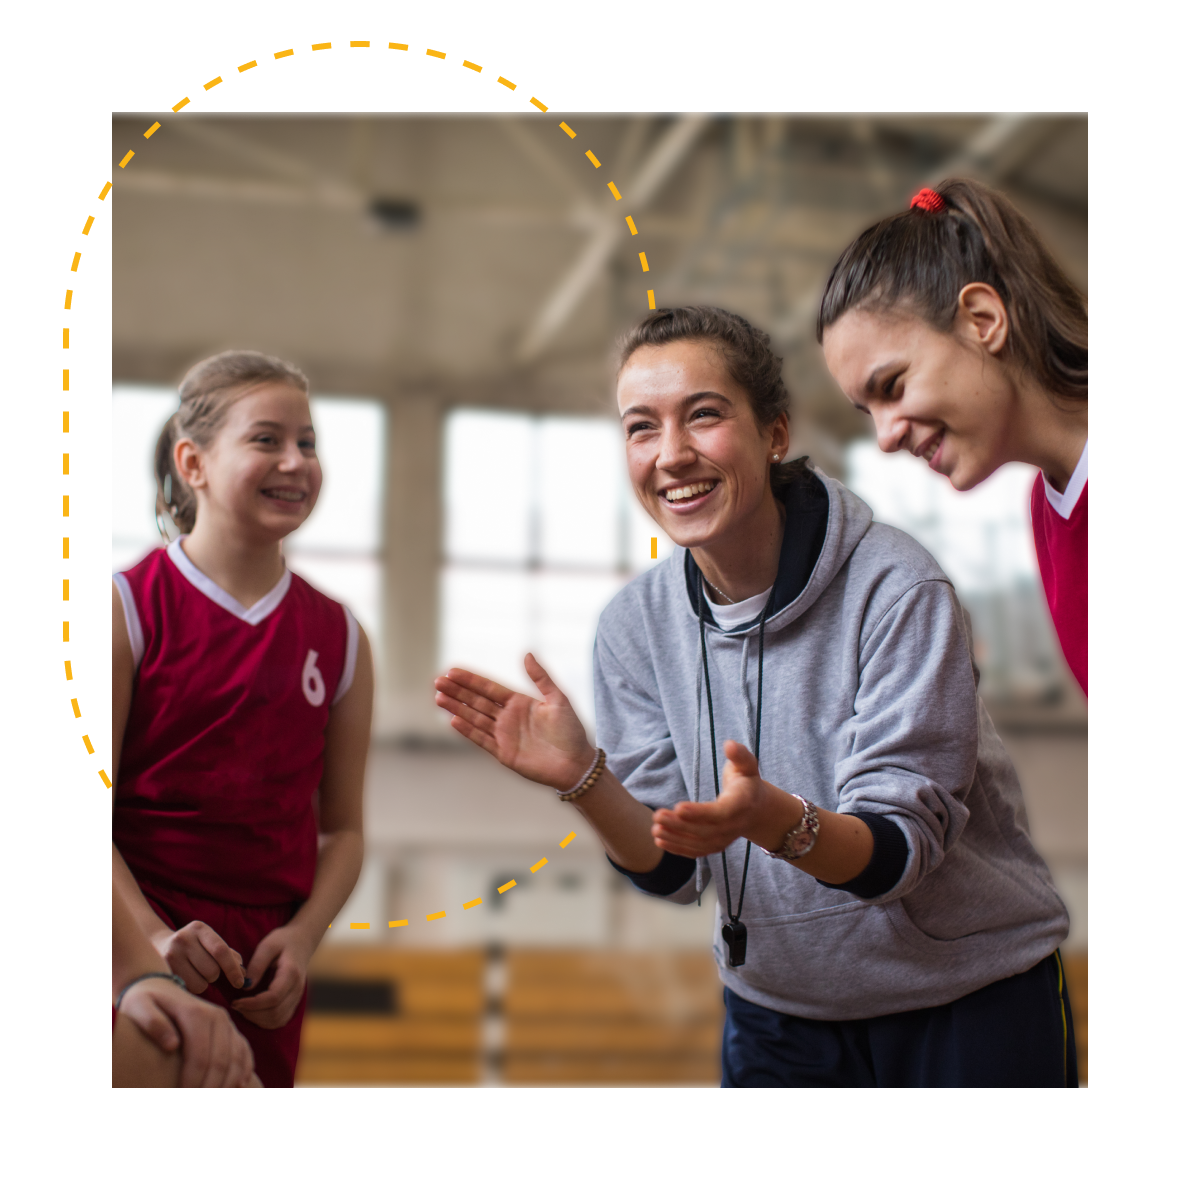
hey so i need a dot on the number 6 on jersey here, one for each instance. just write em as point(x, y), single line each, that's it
point(312, 682)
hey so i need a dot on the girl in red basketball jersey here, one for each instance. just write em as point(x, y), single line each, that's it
point(954, 328)
point(241, 709)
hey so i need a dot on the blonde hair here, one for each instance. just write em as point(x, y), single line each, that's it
point(208, 391)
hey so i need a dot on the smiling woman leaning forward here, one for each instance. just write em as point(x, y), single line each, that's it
point(896, 926)
point(951, 325)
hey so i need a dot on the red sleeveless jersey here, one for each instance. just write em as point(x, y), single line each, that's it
point(1062, 554)
point(224, 746)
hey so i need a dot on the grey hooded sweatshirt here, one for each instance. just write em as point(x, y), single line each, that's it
point(869, 706)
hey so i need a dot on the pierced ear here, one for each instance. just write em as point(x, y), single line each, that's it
point(982, 317)
point(780, 437)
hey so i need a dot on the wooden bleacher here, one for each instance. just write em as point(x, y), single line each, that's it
point(612, 1017)
point(567, 1017)
point(434, 1037)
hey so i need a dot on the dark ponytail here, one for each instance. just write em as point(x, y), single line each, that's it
point(923, 259)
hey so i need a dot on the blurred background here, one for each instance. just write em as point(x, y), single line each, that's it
point(452, 287)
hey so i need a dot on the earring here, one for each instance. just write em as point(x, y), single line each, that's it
point(774, 457)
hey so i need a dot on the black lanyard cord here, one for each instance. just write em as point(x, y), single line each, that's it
point(712, 731)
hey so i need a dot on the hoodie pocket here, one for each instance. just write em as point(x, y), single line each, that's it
point(829, 964)
point(912, 935)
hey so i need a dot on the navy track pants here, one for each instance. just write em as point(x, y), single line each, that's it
point(1016, 1032)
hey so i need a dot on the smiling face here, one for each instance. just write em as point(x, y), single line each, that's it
point(697, 458)
point(944, 397)
point(259, 474)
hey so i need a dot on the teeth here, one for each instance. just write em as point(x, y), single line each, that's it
point(692, 489)
point(932, 449)
point(283, 494)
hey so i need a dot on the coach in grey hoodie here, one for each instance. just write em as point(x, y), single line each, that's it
point(869, 707)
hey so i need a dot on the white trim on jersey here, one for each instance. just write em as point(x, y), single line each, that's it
point(1064, 503)
point(351, 656)
point(133, 623)
point(255, 614)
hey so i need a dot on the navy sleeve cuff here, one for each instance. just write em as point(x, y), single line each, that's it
point(888, 860)
point(672, 872)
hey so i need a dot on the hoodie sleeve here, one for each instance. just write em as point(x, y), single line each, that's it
point(915, 731)
point(632, 728)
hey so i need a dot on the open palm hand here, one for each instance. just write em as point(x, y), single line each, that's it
point(542, 740)
point(747, 807)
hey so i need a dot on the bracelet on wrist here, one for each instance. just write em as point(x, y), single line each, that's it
point(589, 779)
point(142, 979)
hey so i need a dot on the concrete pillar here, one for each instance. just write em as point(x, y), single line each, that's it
point(412, 556)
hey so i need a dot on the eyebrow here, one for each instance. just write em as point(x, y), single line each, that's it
point(263, 423)
point(642, 409)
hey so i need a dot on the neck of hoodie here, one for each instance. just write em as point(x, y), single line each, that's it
point(805, 520)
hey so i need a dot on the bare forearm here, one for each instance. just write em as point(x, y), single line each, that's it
point(124, 884)
point(624, 826)
point(132, 953)
point(622, 823)
point(339, 862)
point(843, 846)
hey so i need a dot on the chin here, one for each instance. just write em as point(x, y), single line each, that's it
point(276, 531)
point(966, 476)
point(692, 538)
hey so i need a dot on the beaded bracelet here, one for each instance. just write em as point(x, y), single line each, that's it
point(593, 774)
point(142, 978)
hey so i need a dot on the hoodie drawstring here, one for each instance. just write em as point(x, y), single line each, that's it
point(748, 713)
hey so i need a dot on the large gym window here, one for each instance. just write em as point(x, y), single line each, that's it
point(337, 549)
point(541, 530)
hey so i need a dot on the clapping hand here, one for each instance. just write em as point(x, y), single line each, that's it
point(542, 740)
point(747, 807)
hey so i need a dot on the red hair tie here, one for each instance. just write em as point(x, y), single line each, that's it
point(929, 200)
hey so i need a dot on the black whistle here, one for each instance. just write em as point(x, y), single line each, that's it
point(734, 933)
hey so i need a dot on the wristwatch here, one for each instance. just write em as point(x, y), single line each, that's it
point(802, 837)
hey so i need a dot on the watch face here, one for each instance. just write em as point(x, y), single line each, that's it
point(802, 837)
